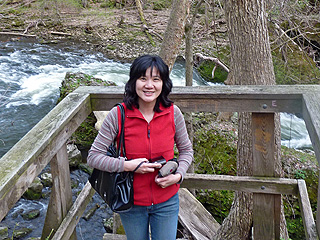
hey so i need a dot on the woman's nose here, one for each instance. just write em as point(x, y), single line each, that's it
point(149, 83)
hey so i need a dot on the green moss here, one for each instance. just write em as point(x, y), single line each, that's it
point(160, 4)
point(218, 203)
point(32, 195)
point(120, 230)
point(214, 153)
point(18, 23)
point(108, 4)
point(214, 148)
point(299, 165)
point(86, 132)
point(295, 68)
point(20, 233)
point(31, 214)
point(293, 218)
point(110, 47)
point(205, 70)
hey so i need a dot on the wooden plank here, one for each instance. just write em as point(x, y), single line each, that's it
point(195, 218)
point(61, 193)
point(26, 159)
point(220, 90)
point(263, 216)
point(311, 116)
point(311, 110)
point(263, 144)
point(268, 185)
point(306, 212)
point(213, 98)
point(266, 221)
point(111, 236)
point(73, 217)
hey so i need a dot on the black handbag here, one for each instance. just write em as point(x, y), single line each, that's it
point(115, 188)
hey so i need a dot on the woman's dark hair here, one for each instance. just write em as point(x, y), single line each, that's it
point(137, 70)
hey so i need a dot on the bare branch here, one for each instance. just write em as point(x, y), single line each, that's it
point(216, 60)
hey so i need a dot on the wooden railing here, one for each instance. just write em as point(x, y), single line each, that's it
point(46, 143)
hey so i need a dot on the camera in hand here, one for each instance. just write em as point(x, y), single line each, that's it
point(161, 161)
point(168, 168)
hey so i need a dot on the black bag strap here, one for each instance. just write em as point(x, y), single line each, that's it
point(121, 140)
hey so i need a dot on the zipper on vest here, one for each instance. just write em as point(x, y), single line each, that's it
point(149, 140)
point(148, 129)
point(149, 149)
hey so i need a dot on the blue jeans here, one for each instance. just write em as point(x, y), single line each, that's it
point(162, 217)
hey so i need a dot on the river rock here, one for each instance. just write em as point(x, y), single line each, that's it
point(16, 213)
point(46, 179)
point(108, 225)
point(85, 168)
point(35, 190)
point(31, 214)
point(4, 233)
point(74, 155)
point(20, 233)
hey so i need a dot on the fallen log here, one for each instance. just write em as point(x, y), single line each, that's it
point(60, 33)
point(17, 34)
point(195, 218)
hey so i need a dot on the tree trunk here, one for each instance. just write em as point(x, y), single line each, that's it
point(189, 54)
point(174, 32)
point(189, 44)
point(144, 22)
point(250, 64)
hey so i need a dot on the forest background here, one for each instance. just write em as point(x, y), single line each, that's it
point(116, 29)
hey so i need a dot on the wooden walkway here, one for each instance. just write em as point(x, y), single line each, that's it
point(46, 143)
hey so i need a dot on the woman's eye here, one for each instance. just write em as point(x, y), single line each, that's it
point(143, 79)
point(156, 79)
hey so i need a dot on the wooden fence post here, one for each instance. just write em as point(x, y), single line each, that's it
point(266, 207)
point(61, 194)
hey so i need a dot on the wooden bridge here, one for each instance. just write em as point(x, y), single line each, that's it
point(46, 143)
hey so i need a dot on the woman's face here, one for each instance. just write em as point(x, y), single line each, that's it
point(149, 87)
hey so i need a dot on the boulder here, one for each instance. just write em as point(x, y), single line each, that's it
point(100, 116)
point(31, 214)
point(74, 155)
point(4, 233)
point(35, 190)
point(46, 179)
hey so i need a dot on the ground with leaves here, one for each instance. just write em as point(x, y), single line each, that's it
point(116, 32)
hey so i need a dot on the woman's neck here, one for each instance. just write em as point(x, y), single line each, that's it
point(147, 111)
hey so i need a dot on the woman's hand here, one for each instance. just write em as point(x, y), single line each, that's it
point(145, 167)
point(168, 180)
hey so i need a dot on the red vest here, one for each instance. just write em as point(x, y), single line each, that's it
point(150, 140)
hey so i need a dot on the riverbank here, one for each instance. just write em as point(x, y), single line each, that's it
point(117, 33)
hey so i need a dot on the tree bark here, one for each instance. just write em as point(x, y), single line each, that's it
point(189, 44)
point(144, 22)
point(250, 64)
point(174, 32)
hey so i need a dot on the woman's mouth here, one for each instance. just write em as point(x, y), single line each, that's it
point(148, 93)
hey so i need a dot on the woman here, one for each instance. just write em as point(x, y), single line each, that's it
point(152, 126)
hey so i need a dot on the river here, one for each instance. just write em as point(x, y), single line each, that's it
point(30, 77)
